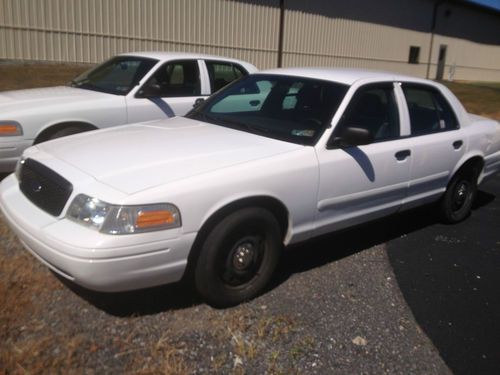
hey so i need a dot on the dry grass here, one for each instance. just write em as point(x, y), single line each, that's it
point(23, 76)
point(481, 98)
point(23, 284)
point(19, 272)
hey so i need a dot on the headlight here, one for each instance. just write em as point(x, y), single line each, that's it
point(114, 219)
point(10, 128)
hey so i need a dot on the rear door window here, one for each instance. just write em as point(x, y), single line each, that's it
point(429, 110)
point(222, 73)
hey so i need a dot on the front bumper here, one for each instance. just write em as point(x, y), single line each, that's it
point(97, 261)
point(11, 150)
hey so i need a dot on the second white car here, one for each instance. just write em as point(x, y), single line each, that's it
point(127, 88)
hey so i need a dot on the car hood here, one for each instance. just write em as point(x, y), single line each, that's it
point(135, 157)
point(48, 96)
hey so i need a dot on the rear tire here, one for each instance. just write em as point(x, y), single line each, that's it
point(456, 204)
point(238, 257)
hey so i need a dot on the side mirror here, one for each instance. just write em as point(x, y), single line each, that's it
point(197, 102)
point(351, 136)
point(149, 91)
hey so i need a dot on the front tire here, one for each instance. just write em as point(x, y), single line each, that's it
point(238, 257)
point(457, 201)
point(59, 131)
point(69, 130)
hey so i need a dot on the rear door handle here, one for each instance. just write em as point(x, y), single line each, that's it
point(457, 144)
point(402, 155)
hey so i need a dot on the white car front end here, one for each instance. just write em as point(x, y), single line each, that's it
point(24, 114)
point(92, 259)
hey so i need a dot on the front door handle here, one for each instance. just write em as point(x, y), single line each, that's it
point(457, 144)
point(402, 155)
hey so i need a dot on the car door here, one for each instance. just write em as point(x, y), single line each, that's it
point(170, 91)
point(437, 142)
point(359, 183)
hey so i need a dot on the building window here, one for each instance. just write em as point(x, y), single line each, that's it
point(414, 55)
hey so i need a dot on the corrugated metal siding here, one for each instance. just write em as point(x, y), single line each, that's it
point(478, 56)
point(91, 30)
point(315, 33)
point(344, 34)
point(312, 39)
point(317, 39)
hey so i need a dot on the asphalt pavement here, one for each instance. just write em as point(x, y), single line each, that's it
point(450, 279)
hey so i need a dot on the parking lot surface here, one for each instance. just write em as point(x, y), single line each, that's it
point(402, 295)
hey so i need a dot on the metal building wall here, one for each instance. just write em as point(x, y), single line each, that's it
point(334, 34)
point(358, 33)
point(89, 31)
point(467, 60)
point(313, 39)
point(474, 58)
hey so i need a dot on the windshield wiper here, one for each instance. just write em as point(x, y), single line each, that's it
point(202, 116)
point(75, 83)
point(229, 122)
point(244, 125)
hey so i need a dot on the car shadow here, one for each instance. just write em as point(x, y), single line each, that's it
point(333, 247)
point(139, 302)
point(449, 277)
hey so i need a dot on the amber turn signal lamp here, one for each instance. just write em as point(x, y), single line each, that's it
point(148, 219)
point(9, 129)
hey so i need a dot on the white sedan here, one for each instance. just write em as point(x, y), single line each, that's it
point(128, 88)
point(273, 159)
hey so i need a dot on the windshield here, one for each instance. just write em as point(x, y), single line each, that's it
point(292, 109)
point(116, 76)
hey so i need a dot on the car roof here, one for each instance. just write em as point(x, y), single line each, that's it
point(160, 55)
point(346, 76)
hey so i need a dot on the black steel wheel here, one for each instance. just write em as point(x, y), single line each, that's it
point(457, 201)
point(238, 257)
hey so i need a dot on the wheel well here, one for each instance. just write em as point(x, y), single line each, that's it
point(47, 133)
point(274, 206)
point(472, 165)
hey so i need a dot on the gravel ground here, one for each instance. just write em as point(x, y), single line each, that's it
point(326, 315)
